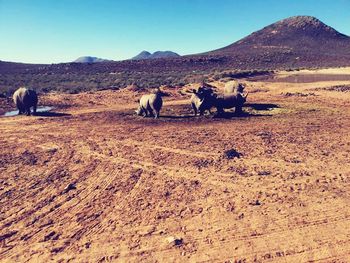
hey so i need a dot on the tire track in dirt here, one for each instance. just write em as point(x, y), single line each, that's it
point(167, 172)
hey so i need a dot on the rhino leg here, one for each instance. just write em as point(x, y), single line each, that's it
point(238, 110)
point(27, 111)
point(156, 115)
point(220, 110)
point(139, 111)
point(150, 111)
point(20, 108)
point(145, 112)
point(34, 109)
point(194, 109)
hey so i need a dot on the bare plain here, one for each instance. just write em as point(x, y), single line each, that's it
point(90, 181)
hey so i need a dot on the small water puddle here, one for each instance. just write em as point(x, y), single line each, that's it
point(39, 109)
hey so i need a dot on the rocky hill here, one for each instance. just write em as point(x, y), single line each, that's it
point(157, 54)
point(88, 59)
point(298, 38)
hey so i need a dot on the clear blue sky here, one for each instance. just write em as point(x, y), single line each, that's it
point(53, 31)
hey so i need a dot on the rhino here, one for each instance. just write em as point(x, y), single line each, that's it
point(202, 100)
point(25, 99)
point(233, 87)
point(151, 104)
point(228, 101)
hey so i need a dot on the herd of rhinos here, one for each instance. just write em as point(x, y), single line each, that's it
point(150, 105)
point(202, 100)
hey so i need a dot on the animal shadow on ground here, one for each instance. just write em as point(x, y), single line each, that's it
point(181, 112)
point(51, 114)
point(230, 115)
point(244, 114)
point(261, 106)
point(176, 116)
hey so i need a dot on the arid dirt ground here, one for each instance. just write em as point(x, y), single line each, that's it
point(93, 182)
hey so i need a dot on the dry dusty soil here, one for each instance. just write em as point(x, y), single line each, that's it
point(92, 182)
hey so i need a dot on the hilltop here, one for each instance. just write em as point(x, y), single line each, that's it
point(88, 59)
point(157, 54)
point(298, 40)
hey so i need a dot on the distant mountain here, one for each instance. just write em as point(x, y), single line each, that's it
point(157, 54)
point(295, 42)
point(164, 54)
point(142, 55)
point(298, 37)
point(88, 59)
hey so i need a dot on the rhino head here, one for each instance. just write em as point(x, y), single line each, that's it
point(241, 98)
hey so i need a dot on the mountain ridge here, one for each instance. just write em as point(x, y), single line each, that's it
point(158, 54)
point(297, 32)
point(90, 59)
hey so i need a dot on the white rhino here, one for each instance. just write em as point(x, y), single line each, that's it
point(202, 100)
point(151, 104)
point(228, 101)
point(25, 99)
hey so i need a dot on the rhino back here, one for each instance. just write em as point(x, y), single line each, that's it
point(144, 101)
point(231, 86)
point(19, 95)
